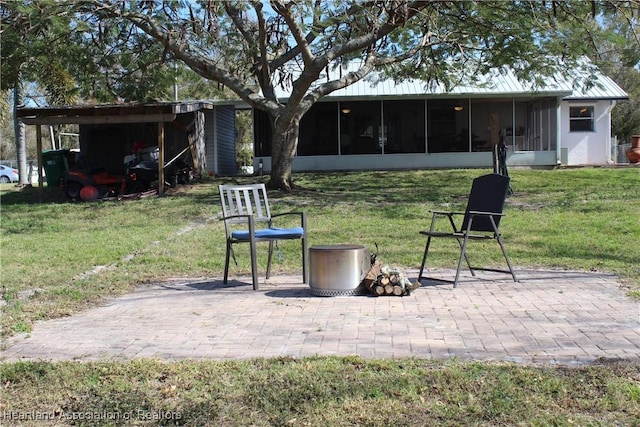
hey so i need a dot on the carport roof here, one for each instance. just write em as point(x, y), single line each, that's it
point(113, 113)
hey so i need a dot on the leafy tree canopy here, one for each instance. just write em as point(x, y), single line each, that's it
point(253, 46)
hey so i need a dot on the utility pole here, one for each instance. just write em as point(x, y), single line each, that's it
point(20, 131)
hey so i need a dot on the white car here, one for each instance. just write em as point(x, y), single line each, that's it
point(8, 174)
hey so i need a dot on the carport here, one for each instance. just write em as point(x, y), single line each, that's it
point(174, 127)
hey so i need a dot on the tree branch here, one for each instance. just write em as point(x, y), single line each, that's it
point(369, 39)
point(201, 65)
point(264, 71)
point(302, 44)
point(236, 16)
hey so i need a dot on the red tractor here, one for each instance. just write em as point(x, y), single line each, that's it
point(82, 185)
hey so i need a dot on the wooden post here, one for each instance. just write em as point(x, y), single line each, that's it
point(193, 134)
point(194, 156)
point(161, 158)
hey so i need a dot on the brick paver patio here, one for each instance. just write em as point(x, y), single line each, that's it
point(558, 317)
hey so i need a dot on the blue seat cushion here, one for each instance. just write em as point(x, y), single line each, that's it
point(270, 233)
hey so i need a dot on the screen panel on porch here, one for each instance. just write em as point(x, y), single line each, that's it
point(404, 126)
point(522, 124)
point(319, 130)
point(448, 126)
point(360, 127)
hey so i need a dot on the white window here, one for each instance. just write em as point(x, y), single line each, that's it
point(581, 119)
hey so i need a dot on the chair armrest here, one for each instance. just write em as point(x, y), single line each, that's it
point(287, 213)
point(447, 213)
point(240, 220)
point(302, 215)
point(224, 218)
point(486, 213)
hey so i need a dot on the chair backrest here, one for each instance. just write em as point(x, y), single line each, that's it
point(248, 199)
point(488, 194)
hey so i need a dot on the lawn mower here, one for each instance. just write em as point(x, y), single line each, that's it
point(83, 185)
point(141, 175)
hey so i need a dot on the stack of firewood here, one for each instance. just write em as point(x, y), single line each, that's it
point(383, 280)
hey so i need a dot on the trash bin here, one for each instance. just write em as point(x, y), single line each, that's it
point(621, 153)
point(56, 163)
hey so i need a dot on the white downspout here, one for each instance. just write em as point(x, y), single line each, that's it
point(612, 104)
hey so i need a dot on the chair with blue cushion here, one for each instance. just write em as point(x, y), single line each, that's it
point(247, 219)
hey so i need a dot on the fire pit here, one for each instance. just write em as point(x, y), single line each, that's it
point(336, 270)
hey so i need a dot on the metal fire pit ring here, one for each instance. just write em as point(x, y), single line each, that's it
point(337, 270)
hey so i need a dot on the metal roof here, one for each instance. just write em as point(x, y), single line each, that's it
point(112, 113)
point(604, 88)
point(498, 83)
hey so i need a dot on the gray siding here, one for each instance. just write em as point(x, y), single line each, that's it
point(209, 141)
point(225, 140)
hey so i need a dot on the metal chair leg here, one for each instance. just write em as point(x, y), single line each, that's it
point(466, 257)
point(269, 258)
point(424, 257)
point(506, 257)
point(305, 261)
point(254, 260)
point(463, 254)
point(226, 263)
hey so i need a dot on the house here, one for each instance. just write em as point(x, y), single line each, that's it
point(368, 125)
point(408, 125)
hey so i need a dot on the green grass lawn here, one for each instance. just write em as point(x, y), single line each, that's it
point(321, 391)
point(59, 258)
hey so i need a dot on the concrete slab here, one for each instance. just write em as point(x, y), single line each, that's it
point(560, 317)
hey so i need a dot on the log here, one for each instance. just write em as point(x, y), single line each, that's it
point(413, 286)
point(378, 290)
point(372, 276)
point(381, 280)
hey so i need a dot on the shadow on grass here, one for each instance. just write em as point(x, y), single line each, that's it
point(378, 187)
point(32, 195)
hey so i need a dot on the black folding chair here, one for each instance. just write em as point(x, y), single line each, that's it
point(481, 221)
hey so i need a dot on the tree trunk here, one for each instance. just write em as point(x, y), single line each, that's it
point(283, 149)
point(20, 135)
